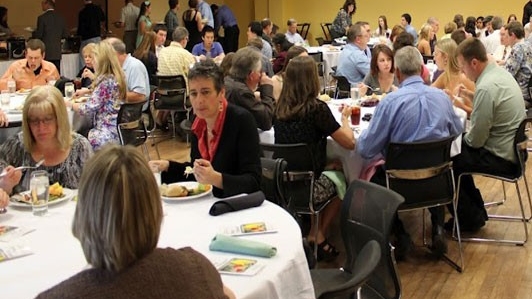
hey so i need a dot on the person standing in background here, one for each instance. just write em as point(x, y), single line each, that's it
point(343, 21)
point(4, 28)
point(51, 28)
point(143, 21)
point(128, 18)
point(91, 20)
point(206, 12)
point(224, 17)
point(527, 12)
point(406, 20)
point(171, 20)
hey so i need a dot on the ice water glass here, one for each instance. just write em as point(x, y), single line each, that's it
point(69, 90)
point(39, 188)
point(4, 99)
point(354, 92)
point(156, 173)
point(11, 86)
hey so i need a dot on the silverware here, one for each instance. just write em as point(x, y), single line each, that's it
point(39, 163)
point(373, 89)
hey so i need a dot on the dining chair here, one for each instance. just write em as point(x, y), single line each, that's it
point(333, 283)
point(326, 28)
point(367, 214)
point(422, 173)
point(303, 29)
point(272, 180)
point(520, 149)
point(343, 87)
point(298, 180)
point(171, 94)
point(130, 126)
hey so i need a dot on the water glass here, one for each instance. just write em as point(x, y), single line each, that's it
point(39, 188)
point(355, 94)
point(5, 100)
point(156, 173)
point(69, 90)
point(11, 86)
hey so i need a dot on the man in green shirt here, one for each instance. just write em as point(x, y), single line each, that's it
point(498, 109)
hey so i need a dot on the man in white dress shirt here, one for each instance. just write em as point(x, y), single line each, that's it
point(494, 39)
point(160, 37)
point(128, 20)
point(292, 35)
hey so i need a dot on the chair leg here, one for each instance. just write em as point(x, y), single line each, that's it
point(316, 230)
point(500, 202)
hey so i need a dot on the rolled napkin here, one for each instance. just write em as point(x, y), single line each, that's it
point(237, 203)
point(240, 245)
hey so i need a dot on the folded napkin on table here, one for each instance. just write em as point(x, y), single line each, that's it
point(239, 245)
point(237, 203)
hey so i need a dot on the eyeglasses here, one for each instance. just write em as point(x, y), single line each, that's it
point(45, 121)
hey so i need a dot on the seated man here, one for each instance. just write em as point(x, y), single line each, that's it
point(255, 30)
point(161, 31)
point(354, 60)
point(208, 48)
point(245, 78)
point(33, 70)
point(292, 35)
point(498, 109)
point(414, 113)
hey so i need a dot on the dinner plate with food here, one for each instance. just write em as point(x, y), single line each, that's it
point(184, 191)
point(58, 194)
point(23, 91)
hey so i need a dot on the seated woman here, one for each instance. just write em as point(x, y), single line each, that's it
point(108, 94)
point(277, 79)
point(452, 79)
point(281, 45)
point(145, 52)
point(381, 75)
point(426, 34)
point(301, 118)
point(117, 221)
point(87, 72)
point(46, 134)
point(225, 143)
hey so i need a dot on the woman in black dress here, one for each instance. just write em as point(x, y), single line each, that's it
point(193, 22)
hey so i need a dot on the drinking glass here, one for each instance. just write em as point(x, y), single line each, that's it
point(4, 99)
point(355, 94)
point(77, 83)
point(156, 173)
point(39, 185)
point(11, 86)
point(355, 115)
point(69, 90)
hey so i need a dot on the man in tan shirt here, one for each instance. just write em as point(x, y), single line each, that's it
point(33, 70)
point(175, 59)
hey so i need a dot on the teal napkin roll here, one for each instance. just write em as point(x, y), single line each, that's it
point(338, 178)
point(239, 245)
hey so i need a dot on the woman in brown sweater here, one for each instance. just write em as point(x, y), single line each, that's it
point(117, 221)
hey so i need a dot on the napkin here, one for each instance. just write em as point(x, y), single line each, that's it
point(239, 245)
point(238, 203)
point(338, 178)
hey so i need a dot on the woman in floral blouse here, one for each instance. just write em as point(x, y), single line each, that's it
point(343, 21)
point(109, 93)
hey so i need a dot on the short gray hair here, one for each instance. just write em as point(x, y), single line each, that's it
point(245, 61)
point(496, 23)
point(408, 61)
point(117, 44)
point(179, 34)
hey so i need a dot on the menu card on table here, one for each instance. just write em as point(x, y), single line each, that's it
point(8, 233)
point(13, 251)
point(251, 228)
point(239, 266)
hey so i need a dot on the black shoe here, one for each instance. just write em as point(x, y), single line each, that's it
point(326, 251)
point(403, 245)
point(163, 128)
point(465, 226)
point(439, 242)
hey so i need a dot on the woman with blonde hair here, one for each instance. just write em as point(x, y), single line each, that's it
point(109, 92)
point(426, 34)
point(118, 221)
point(145, 52)
point(301, 118)
point(87, 72)
point(46, 134)
point(452, 77)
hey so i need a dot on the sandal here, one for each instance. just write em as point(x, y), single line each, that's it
point(326, 251)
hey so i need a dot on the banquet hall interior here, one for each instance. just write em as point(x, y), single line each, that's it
point(491, 270)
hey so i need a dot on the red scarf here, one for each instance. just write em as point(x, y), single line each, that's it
point(199, 127)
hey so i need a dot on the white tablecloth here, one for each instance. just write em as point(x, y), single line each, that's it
point(58, 254)
point(352, 162)
point(69, 65)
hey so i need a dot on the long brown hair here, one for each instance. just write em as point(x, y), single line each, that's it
point(374, 68)
point(146, 45)
point(300, 89)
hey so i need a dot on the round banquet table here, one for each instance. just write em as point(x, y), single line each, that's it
point(58, 255)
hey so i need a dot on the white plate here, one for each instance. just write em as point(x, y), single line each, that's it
point(69, 195)
point(24, 92)
point(188, 185)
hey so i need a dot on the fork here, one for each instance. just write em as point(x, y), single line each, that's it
point(39, 163)
point(373, 89)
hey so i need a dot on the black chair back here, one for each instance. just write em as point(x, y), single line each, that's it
point(343, 87)
point(367, 214)
point(130, 125)
point(171, 93)
point(421, 172)
point(427, 58)
point(326, 28)
point(303, 29)
point(272, 180)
